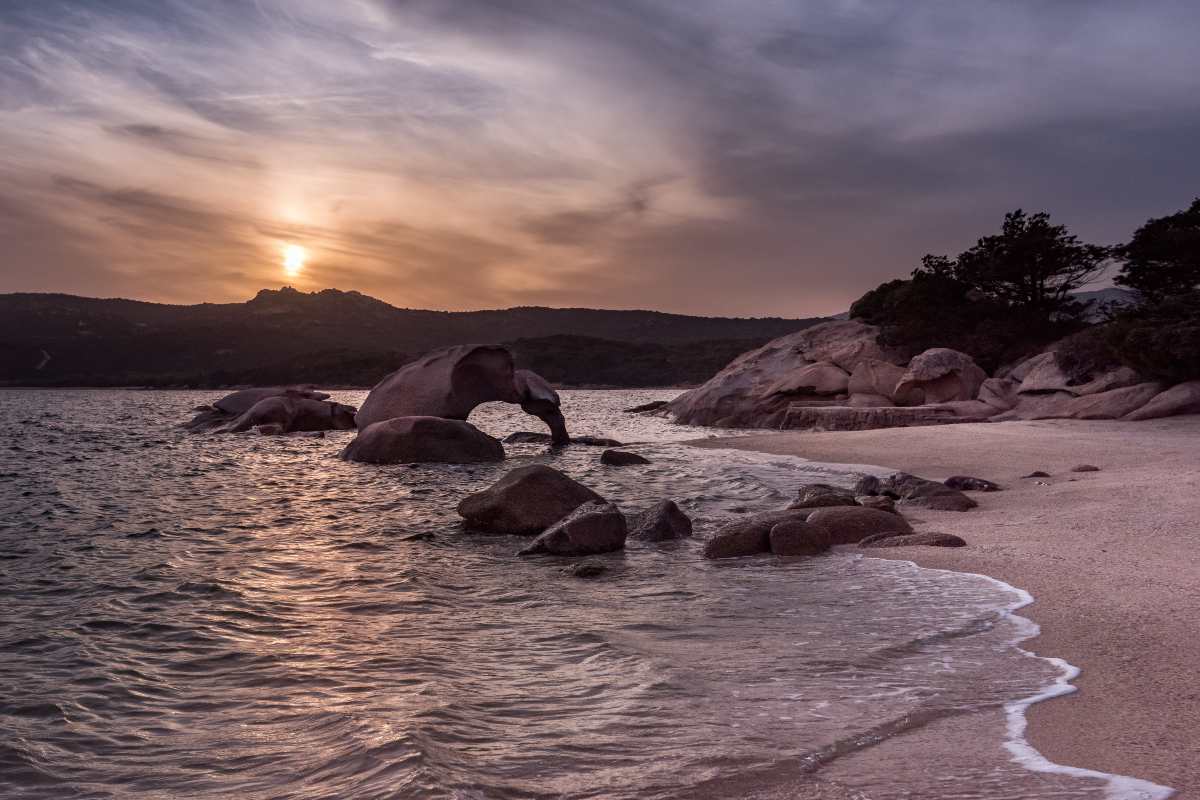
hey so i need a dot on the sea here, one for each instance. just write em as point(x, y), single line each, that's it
point(241, 616)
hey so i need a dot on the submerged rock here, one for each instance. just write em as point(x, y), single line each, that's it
point(594, 527)
point(662, 522)
point(586, 569)
point(620, 458)
point(415, 440)
point(526, 501)
point(530, 437)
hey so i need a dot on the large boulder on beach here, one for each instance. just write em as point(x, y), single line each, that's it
point(941, 375)
point(798, 538)
point(526, 501)
point(846, 525)
point(452, 381)
point(757, 387)
point(1000, 393)
point(1183, 398)
point(878, 378)
point(592, 528)
point(664, 521)
point(822, 495)
point(918, 492)
point(749, 536)
point(415, 440)
point(293, 414)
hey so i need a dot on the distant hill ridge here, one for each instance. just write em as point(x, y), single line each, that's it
point(345, 338)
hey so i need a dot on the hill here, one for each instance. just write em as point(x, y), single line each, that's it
point(347, 338)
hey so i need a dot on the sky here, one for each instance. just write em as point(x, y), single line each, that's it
point(731, 157)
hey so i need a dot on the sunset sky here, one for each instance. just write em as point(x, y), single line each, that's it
point(730, 157)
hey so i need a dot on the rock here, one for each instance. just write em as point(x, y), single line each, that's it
point(526, 501)
point(240, 402)
point(867, 485)
point(911, 490)
point(1037, 473)
point(620, 458)
point(653, 405)
point(849, 525)
point(450, 382)
point(750, 536)
point(1040, 374)
point(586, 569)
point(738, 396)
point(879, 502)
point(926, 539)
point(424, 536)
point(877, 378)
point(869, 401)
point(999, 393)
point(975, 410)
point(822, 495)
point(821, 378)
point(1117, 378)
point(593, 527)
point(290, 414)
point(1183, 398)
point(270, 429)
point(1114, 404)
point(529, 437)
point(1085, 468)
point(798, 538)
point(844, 418)
point(966, 483)
point(416, 440)
point(941, 375)
point(662, 522)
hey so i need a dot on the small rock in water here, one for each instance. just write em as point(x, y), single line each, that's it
point(423, 536)
point(586, 569)
point(968, 484)
point(663, 522)
point(1085, 468)
point(596, 527)
point(152, 533)
point(926, 539)
point(1037, 474)
point(620, 458)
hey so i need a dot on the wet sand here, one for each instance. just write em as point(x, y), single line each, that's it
point(1112, 559)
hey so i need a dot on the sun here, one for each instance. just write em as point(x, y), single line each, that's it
point(293, 259)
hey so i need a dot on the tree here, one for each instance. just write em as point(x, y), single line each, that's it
point(1031, 265)
point(1162, 260)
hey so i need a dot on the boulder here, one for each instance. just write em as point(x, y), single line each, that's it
point(821, 378)
point(414, 440)
point(925, 539)
point(644, 408)
point(1116, 378)
point(1115, 403)
point(974, 410)
point(879, 502)
point(923, 493)
point(1085, 468)
point(662, 522)
point(750, 536)
point(844, 418)
point(240, 402)
point(847, 525)
point(1037, 473)
point(526, 501)
point(1183, 398)
point(869, 401)
point(1040, 374)
point(875, 377)
point(965, 483)
point(1000, 393)
point(751, 391)
point(291, 414)
point(620, 458)
point(798, 538)
point(941, 375)
point(1050, 405)
point(822, 495)
point(452, 381)
point(594, 527)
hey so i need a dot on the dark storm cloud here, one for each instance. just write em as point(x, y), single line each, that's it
point(708, 156)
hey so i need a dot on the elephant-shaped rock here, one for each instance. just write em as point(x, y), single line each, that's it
point(282, 409)
point(450, 382)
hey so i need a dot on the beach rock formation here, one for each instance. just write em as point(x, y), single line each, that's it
point(914, 491)
point(847, 525)
point(966, 483)
point(1183, 398)
point(526, 501)
point(240, 402)
point(879, 502)
point(749, 536)
point(531, 437)
point(873, 377)
point(821, 495)
point(664, 521)
point(941, 375)
point(924, 539)
point(305, 409)
point(621, 458)
point(798, 538)
point(846, 418)
point(756, 389)
point(450, 382)
point(413, 440)
point(593, 527)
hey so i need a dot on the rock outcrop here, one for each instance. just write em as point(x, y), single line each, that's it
point(592, 528)
point(941, 375)
point(292, 409)
point(664, 521)
point(822, 495)
point(450, 382)
point(413, 440)
point(911, 490)
point(878, 378)
point(1183, 398)
point(526, 501)
point(845, 418)
point(749, 536)
point(847, 525)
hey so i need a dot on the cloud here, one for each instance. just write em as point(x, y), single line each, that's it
point(777, 160)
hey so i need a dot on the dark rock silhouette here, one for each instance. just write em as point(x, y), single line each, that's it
point(592, 528)
point(281, 409)
point(846, 525)
point(798, 538)
point(966, 483)
point(662, 522)
point(620, 458)
point(415, 440)
point(526, 501)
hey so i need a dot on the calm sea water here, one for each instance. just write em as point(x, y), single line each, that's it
point(186, 616)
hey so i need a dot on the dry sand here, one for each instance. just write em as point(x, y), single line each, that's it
point(1112, 559)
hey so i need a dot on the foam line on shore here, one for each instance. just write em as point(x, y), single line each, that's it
point(1119, 787)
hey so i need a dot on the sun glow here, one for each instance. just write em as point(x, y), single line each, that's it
point(293, 259)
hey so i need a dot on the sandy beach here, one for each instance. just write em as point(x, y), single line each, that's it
point(1110, 558)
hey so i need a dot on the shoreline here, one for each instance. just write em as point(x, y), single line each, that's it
point(1107, 557)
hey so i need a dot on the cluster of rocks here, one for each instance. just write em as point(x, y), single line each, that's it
point(836, 376)
point(274, 411)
